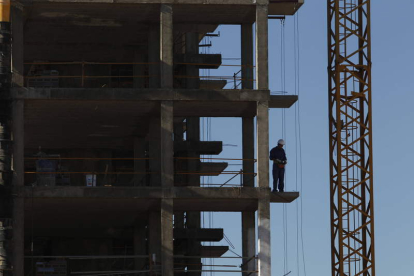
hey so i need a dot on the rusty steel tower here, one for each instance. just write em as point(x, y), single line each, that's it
point(350, 124)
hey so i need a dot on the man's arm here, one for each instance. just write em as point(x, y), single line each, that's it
point(284, 159)
point(272, 155)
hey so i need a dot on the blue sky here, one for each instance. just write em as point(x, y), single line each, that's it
point(393, 115)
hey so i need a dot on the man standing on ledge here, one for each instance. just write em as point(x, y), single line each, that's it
point(278, 156)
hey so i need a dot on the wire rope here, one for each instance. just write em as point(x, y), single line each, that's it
point(300, 144)
point(296, 145)
point(284, 136)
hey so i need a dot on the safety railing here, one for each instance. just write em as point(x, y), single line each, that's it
point(61, 171)
point(49, 75)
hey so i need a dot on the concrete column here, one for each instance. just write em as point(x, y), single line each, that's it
point(262, 132)
point(17, 45)
point(166, 46)
point(193, 134)
point(192, 71)
point(249, 241)
point(263, 213)
point(139, 164)
point(263, 216)
point(154, 235)
point(140, 244)
point(194, 218)
point(248, 151)
point(155, 151)
point(167, 144)
point(167, 244)
point(248, 218)
point(154, 56)
point(247, 55)
point(262, 66)
point(18, 184)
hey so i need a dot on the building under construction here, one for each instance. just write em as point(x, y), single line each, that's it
point(101, 156)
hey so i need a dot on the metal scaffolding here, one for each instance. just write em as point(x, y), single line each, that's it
point(351, 177)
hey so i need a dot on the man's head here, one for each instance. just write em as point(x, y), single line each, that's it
point(281, 143)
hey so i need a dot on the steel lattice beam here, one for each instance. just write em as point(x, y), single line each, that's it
point(351, 177)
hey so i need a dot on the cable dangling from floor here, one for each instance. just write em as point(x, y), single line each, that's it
point(284, 136)
point(298, 135)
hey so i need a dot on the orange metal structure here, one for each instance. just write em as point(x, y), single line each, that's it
point(351, 176)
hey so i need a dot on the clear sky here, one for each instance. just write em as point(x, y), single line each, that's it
point(393, 116)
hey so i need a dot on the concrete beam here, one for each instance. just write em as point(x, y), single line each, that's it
point(262, 55)
point(18, 184)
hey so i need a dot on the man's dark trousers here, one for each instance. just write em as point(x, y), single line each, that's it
point(278, 176)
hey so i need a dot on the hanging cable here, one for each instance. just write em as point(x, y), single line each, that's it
point(300, 144)
point(296, 144)
point(284, 136)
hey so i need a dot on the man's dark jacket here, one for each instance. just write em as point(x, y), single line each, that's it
point(277, 153)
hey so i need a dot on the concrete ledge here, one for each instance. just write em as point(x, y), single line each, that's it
point(141, 192)
point(62, 208)
point(214, 251)
point(286, 197)
point(213, 84)
point(140, 94)
point(212, 168)
point(202, 147)
point(201, 234)
point(284, 7)
point(282, 101)
point(155, 193)
point(211, 61)
point(181, 2)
